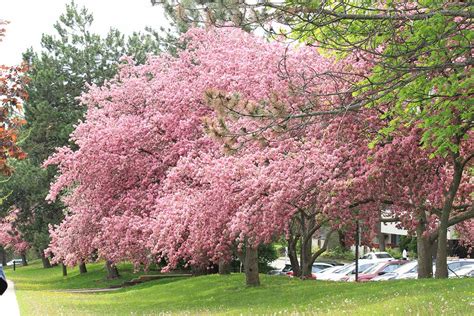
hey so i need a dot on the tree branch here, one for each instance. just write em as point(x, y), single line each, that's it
point(323, 248)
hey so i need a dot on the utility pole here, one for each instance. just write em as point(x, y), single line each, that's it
point(357, 237)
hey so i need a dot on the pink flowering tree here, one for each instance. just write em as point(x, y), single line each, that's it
point(419, 189)
point(10, 236)
point(148, 121)
point(424, 192)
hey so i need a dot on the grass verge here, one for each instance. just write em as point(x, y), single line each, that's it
point(227, 295)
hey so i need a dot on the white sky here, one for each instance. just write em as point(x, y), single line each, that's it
point(31, 18)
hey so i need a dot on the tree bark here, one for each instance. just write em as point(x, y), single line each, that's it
point(251, 266)
point(441, 253)
point(82, 268)
point(292, 254)
point(23, 259)
point(450, 195)
point(306, 256)
point(425, 251)
point(224, 267)
point(442, 249)
point(342, 240)
point(199, 270)
point(64, 269)
point(380, 236)
point(45, 260)
point(112, 271)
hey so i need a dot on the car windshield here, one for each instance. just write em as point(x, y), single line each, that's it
point(330, 270)
point(407, 268)
point(383, 255)
point(463, 264)
point(362, 268)
point(365, 267)
point(319, 267)
point(391, 267)
point(375, 268)
point(345, 269)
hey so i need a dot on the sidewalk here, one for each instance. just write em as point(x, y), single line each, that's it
point(8, 303)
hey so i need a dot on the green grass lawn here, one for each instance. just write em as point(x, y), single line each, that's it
point(228, 295)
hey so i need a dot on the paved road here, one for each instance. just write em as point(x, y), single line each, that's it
point(8, 303)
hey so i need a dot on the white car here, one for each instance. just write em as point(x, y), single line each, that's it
point(456, 264)
point(378, 256)
point(334, 273)
point(406, 271)
point(465, 271)
point(321, 274)
point(16, 261)
point(346, 271)
point(410, 270)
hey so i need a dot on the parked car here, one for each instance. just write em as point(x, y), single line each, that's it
point(330, 261)
point(465, 271)
point(281, 271)
point(332, 273)
point(406, 271)
point(377, 256)
point(345, 272)
point(410, 270)
point(318, 275)
point(456, 264)
point(317, 267)
point(16, 261)
point(320, 267)
point(380, 268)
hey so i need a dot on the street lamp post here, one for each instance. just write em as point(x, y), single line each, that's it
point(357, 241)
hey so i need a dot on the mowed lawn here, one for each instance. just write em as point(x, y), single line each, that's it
point(227, 295)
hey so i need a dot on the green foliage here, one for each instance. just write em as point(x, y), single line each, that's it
point(394, 252)
point(339, 253)
point(408, 243)
point(69, 61)
point(266, 254)
point(27, 189)
point(186, 14)
point(423, 74)
point(218, 295)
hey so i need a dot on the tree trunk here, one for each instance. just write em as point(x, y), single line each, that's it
point(198, 270)
point(441, 253)
point(251, 267)
point(3, 255)
point(82, 268)
point(306, 256)
point(45, 260)
point(224, 267)
point(425, 252)
point(23, 259)
point(295, 266)
point(112, 271)
point(342, 240)
point(64, 269)
point(380, 236)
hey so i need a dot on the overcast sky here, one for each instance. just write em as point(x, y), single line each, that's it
point(31, 18)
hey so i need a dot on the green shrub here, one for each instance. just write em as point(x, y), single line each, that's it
point(394, 252)
point(408, 243)
point(339, 253)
